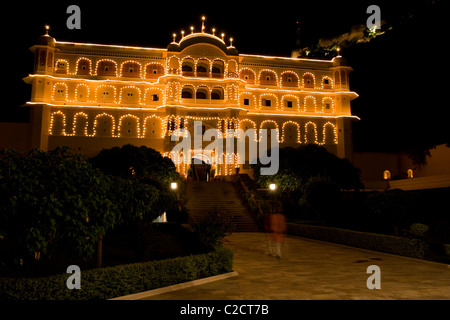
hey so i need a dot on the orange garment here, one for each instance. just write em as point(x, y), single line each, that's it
point(277, 226)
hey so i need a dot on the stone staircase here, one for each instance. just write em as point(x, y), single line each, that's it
point(203, 197)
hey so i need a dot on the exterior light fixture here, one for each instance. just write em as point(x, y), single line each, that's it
point(173, 185)
point(272, 186)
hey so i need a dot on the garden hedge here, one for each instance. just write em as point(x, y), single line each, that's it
point(414, 248)
point(111, 282)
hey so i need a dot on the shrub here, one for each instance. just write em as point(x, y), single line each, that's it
point(419, 229)
point(212, 231)
point(106, 283)
point(414, 248)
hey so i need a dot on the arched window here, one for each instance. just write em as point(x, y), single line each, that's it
point(337, 78)
point(62, 66)
point(80, 124)
point(58, 123)
point(106, 68)
point(343, 77)
point(216, 94)
point(387, 175)
point(154, 71)
point(201, 93)
point(217, 69)
point(308, 80)
point(187, 67)
point(130, 95)
point(60, 92)
point(152, 127)
point(247, 75)
point(311, 132)
point(84, 67)
point(289, 79)
point(131, 69)
point(187, 93)
point(104, 125)
point(290, 132)
point(267, 77)
point(82, 93)
point(129, 126)
point(202, 68)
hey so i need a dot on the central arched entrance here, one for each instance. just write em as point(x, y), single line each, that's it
point(201, 167)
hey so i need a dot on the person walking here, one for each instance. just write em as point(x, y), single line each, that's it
point(278, 228)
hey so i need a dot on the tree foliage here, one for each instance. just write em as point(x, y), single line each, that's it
point(145, 164)
point(57, 202)
point(51, 200)
point(298, 165)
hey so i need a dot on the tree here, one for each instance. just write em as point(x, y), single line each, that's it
point(320, 197)
point(51, 202)
point(142, 163)
point(394, 208)
point(298, 165)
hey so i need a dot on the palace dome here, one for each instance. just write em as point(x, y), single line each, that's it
point(199, 38)
point(46, 40)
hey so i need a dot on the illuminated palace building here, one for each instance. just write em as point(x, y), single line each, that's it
point(92, 96)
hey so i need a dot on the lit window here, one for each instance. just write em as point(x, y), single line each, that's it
point(266, 103)
point(386, 175)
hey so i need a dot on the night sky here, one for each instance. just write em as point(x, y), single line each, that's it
point(400, 76)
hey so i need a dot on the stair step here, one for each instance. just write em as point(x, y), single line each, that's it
point(203, 197)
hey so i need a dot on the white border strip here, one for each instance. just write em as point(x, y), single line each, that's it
point(150, 293)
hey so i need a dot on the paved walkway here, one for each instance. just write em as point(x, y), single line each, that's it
point(311, 269)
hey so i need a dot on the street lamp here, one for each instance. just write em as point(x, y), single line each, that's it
point(272, 188)
point(174, 187)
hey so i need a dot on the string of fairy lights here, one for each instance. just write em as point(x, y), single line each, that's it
point(159, 95)
point(128, 98)
point(153, 70)
point(170, 124)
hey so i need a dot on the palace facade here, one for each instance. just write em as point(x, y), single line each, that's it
point(92, 96)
